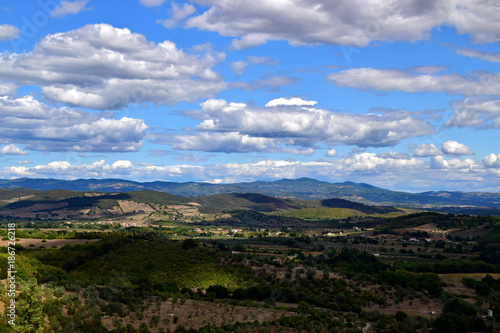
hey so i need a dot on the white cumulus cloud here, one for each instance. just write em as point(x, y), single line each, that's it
point(38, 126)
point(99, 66)
point(439, 162)
point(122, 164)
point(425, 150)
point(12, 150)
point(290, 101)
point(8, 32)
point(231, 142)
point(455, 148)
point(282, 123)
point(69, 7)
point(331, 153)
point(492, 161)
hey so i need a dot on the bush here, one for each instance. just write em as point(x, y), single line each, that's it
point(400, 316)
point(59, 291)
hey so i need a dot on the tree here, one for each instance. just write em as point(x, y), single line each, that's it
point(303, 306)
point(220, 291)
point(30, 316)
point(189, 243)
point(143, 328)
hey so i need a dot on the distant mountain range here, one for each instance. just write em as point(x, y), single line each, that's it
point(302, 188)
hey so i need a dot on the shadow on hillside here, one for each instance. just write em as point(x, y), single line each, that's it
point(341, 203)
point(102, 201)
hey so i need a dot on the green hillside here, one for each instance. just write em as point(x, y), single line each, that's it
point(62, 203)
point(367, 209)
point(321, 213)
point(8, 193)
point(161, 263)
point(238, 201)
point(156, 197)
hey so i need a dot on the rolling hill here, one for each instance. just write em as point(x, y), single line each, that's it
point(84, 205)
point(302, 188)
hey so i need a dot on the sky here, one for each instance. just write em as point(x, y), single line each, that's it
point(404, 95)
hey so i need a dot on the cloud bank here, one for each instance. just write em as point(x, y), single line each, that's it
point(345, 22)
point(389, 170)
point(41, 127)
point(475, 83)
point(102, 67)
point(292, 123)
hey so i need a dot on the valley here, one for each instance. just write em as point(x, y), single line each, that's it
point(151, 261)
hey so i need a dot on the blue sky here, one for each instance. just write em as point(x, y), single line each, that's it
point(399, 94)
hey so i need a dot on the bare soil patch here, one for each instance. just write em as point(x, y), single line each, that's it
point(186, 210)
point(138, 219)
point(26, 242)
point(128, 206)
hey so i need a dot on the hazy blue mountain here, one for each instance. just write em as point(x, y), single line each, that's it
point(302, 188)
